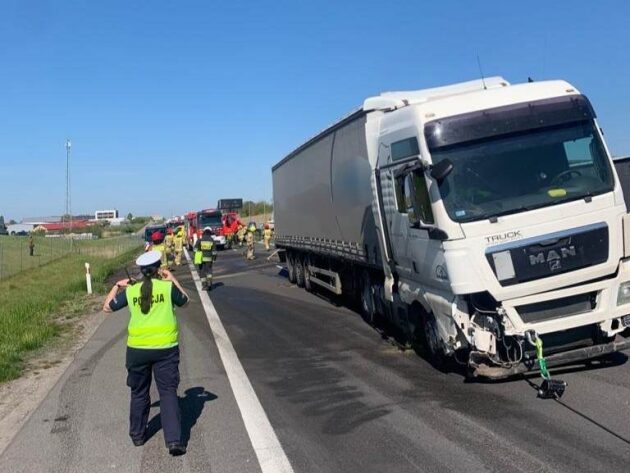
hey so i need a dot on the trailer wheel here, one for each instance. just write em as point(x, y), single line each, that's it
point(307, 275)
point(291, 268)
point(368, 306)
point(299, 271)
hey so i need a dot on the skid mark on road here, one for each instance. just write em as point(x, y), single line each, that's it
point(269, 451)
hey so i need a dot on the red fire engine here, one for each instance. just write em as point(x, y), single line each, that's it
point(224, 226)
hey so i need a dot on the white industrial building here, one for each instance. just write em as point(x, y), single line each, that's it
point(110, 216)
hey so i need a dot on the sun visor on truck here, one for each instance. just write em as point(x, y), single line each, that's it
point(506, 120)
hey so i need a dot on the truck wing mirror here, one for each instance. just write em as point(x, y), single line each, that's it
point(441, 170)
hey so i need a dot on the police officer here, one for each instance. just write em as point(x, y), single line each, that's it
point(204, 257)
point(152, 347)
point(250, 242)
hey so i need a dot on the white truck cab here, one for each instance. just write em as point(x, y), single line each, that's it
point(501, 215)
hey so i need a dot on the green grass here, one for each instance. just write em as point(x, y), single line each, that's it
point(31, 302)
point(14, 252)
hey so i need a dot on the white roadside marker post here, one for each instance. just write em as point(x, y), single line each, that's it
point(88, 278)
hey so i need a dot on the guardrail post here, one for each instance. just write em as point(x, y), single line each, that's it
point(88, 278)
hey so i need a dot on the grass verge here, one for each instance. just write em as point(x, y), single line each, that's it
point(33, 301)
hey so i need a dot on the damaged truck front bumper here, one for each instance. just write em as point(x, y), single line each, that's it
point(482, 365)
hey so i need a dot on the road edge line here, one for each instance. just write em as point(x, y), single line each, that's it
point(269, 451)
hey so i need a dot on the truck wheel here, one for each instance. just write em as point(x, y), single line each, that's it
point(299, 271)
point(307, 275)
point(431, 342)
point(291, 268)
point(368, 307)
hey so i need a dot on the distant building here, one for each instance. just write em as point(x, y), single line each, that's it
point(105, 215)
point(38, 220)
point(16, 228)
point(61, 226)
point(110, 216)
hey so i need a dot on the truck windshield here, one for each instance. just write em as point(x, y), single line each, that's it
point(508, 174)
point(210, 220)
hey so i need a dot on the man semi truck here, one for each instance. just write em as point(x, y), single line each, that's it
point(476, 217)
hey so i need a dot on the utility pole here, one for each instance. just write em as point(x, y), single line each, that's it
point(68, 214)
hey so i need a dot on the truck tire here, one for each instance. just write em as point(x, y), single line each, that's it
point(299, 271)
point(307, 275)
point(291, 268)
point(366, 295)
point(431, 342)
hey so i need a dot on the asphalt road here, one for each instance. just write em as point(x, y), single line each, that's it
point(339, 397)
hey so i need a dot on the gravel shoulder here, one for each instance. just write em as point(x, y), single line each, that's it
point(19, 398)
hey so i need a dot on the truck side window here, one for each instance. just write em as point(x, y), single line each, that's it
point(416, 199)
point(400, 194)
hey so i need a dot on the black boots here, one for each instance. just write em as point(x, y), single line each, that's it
point(176, 449)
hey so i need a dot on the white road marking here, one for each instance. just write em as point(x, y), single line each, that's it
point(271, 456)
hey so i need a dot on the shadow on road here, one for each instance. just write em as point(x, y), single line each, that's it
point(191, 406)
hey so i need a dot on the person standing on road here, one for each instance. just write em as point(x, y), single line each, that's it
point(169, 244)
point(250, 242)
point(204, 257)
point(157, 244)
point(267, 234)
point(31, 245)
point(179, 245)
point(241, 234)
point(152, 347)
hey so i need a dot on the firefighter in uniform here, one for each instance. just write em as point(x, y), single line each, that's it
point(267, 234)
point(157, 239)
point(250, 242)
point(152, 347)
point(179, 245)
point(169, 244)
point(241, 234)
point(204, 257)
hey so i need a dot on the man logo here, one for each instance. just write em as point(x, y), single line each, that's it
point(553, 257)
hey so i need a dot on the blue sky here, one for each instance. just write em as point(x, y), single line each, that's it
point(172, 105)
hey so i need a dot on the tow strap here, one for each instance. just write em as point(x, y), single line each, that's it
point(549, 388)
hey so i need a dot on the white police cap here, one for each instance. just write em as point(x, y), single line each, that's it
point(149, 258)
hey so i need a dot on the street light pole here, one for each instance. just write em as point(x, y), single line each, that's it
point(68, 215)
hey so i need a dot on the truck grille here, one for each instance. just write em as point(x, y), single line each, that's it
point(557, 308)
point(548, 255)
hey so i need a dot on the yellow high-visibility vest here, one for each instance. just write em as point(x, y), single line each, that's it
point(162, 249)
point(158, 328)
point(206, 250)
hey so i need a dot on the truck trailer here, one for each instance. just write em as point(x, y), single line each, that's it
point(477, 218)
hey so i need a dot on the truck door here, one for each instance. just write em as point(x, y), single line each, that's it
point(407, 209)
point(422, 253)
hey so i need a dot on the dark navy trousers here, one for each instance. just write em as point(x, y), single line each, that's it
point(164, 365)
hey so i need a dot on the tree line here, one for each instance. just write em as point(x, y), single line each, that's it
point(256, 208)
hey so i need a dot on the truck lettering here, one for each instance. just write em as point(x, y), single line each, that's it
point(553, 257)
point(507, 236)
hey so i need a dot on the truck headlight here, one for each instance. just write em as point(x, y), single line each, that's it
point(623, 295)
